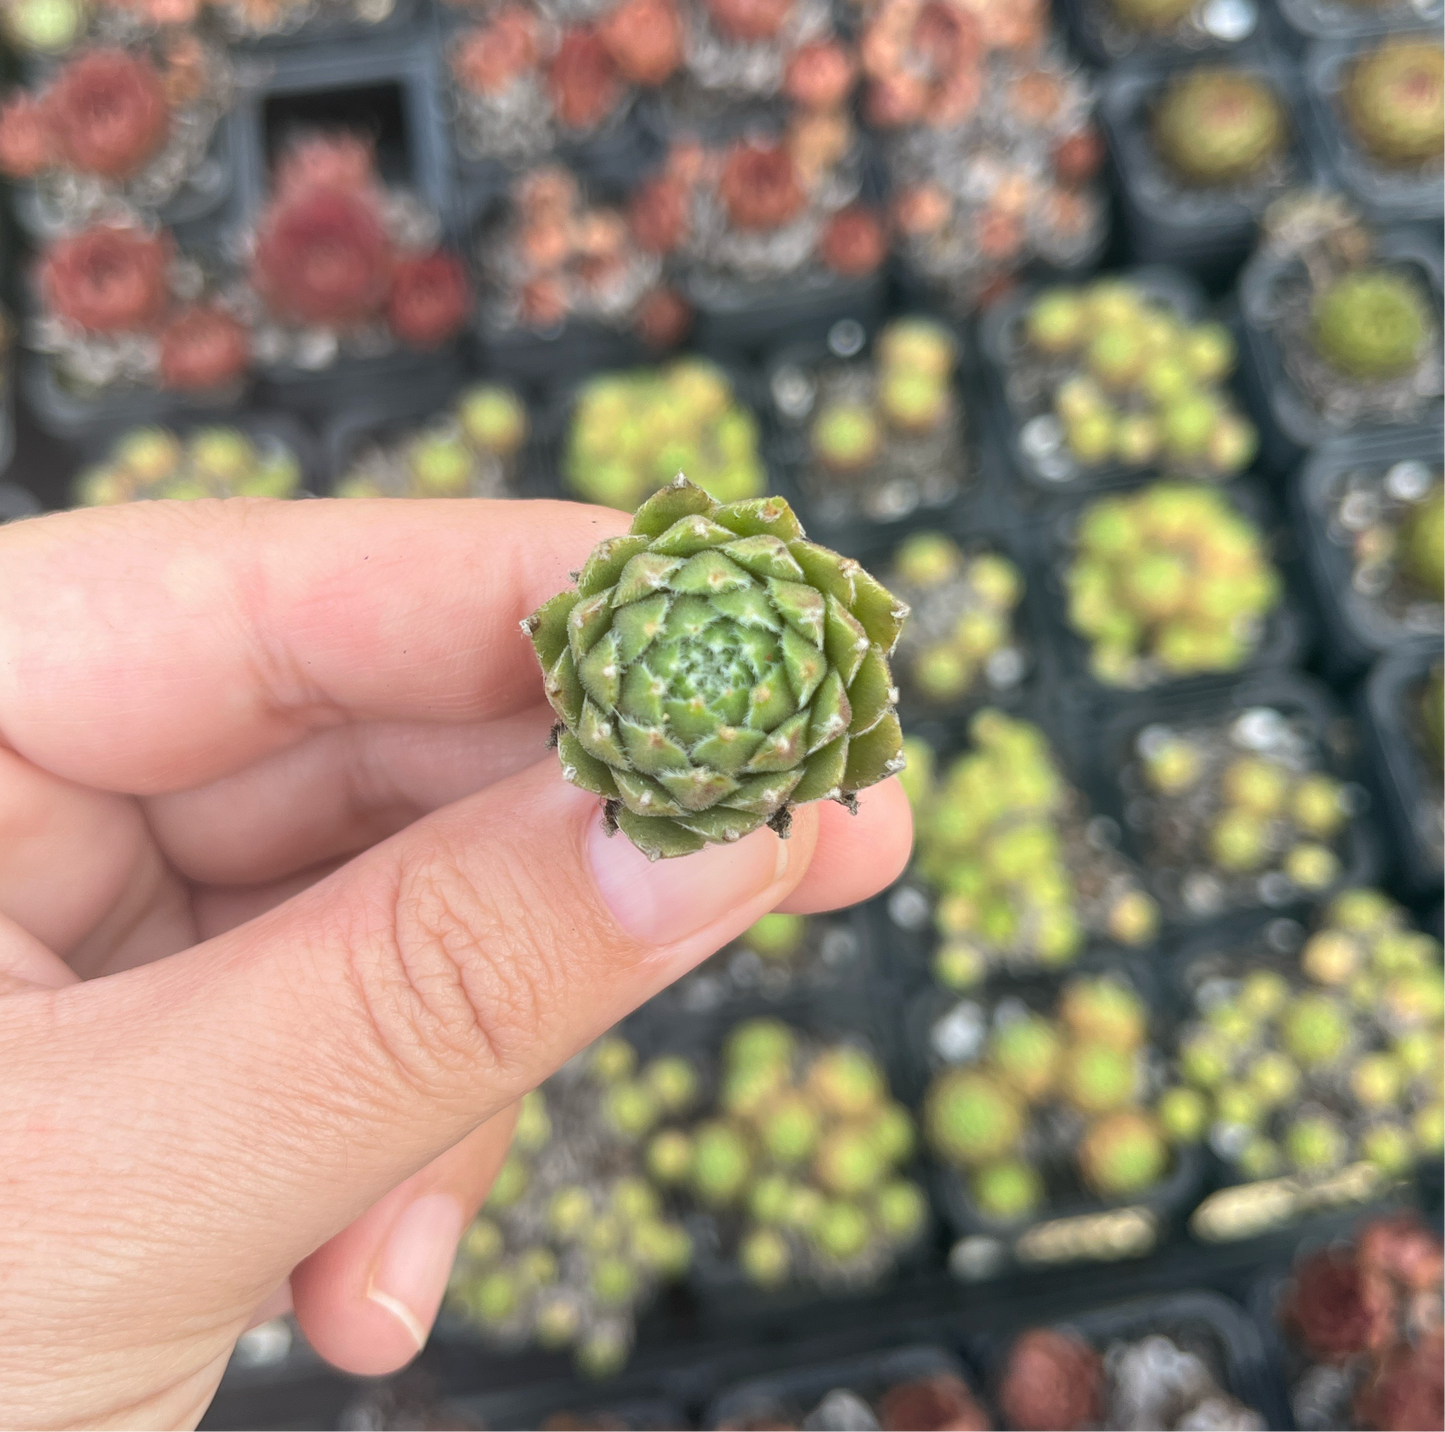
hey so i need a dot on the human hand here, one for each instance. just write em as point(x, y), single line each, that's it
point(294, 906)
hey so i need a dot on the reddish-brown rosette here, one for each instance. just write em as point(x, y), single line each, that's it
point(490, 58)
point(999, 235)
point(1338, 1308)
point(582, 81)
point(544, 302)
point(1404, 1250)
point(1053, 1383)
point(323, 161)
point(759, 186)
point(664, 319)
point(924, 63)
point(921, 210)
point(644, 39)
point(941, 1403)
point(323, 258)
point(1036, 96)
point(820, 75)
point(108, 278)
point(202, 348)
point(1406, 1391)
point(853, 244)
point(658, 214)
point(749, 21)
point(108, 113)
point(27, 142)
point(430, 299)
point(1077, 157)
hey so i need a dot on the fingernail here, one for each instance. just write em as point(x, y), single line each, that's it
point(416, 1261)
point(659, 902)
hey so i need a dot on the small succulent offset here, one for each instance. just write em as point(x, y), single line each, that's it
point(1394, 102)
point(780, 954)
point(574, 1237)
point(1003, 840)
point(632, 433)
point(1237, 812)
point(1215, 126)
point(1336, 1060)
point(1168, 582)
point(800, 1162)
point(1123, 379)
point(1366, 1318)
point(961, 635)
point(712, 670)
point(471, 451)
point(210, 462)
point(1033, 1092)
point(1055, 1380)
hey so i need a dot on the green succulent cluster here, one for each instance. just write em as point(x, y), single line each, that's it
point(1216, 126)
point(712, 670)
point(45, 27)
point(1422, 544)
point(469, 452)
point(1151, 16)
point(150, 463)
point(1000, 839)
point(962, 609)
point(1394, 101)
point(912, 396)
point(1336, 1061)
point(801, 1156)
point(1133, 383)
point(777, 938)
point(574, 1235)
point(1078, 1068)
point(1167, 582)
point(632, 433)
point(1371, 324)
point(1240, 815)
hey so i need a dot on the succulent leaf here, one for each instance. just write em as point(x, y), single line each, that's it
point(713, 668)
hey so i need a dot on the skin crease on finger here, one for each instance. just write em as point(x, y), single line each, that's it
point(153, 910)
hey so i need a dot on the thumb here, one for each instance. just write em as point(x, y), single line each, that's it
point(270, 1085)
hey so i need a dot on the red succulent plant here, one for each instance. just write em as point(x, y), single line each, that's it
point(922, 209)
point(999, 234)
point(853, 244)
point(663, 318)
point(924, 61)
point(27, 143)
point(108, 113)
point(1078, 156)
point(1406, 1391)
point(108, 278)
point(489, 58)
point(819, 75)
point(582, 81)
point(203, 347)
point(1036, 96)
point(759, 186)
point(1338, 1308)
point(941, 1403)
point(658, 214)
point(1404, 1250)
point(323, 257)
point(1052, 1381)
point(430, 299)
point(749, 21)
point(644, 39)
point(544, 302)
point(324, 161)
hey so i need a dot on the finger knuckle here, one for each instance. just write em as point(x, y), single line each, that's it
point(455, 983)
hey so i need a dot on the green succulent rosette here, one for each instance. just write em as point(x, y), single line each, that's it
point(713, 669)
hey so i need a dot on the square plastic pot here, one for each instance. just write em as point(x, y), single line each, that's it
point(1290, 424)
point(1303, 702)
point(1205, 229)
point(1355, 628)
point(1407, 789)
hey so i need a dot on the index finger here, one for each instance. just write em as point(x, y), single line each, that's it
point(147, 648)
